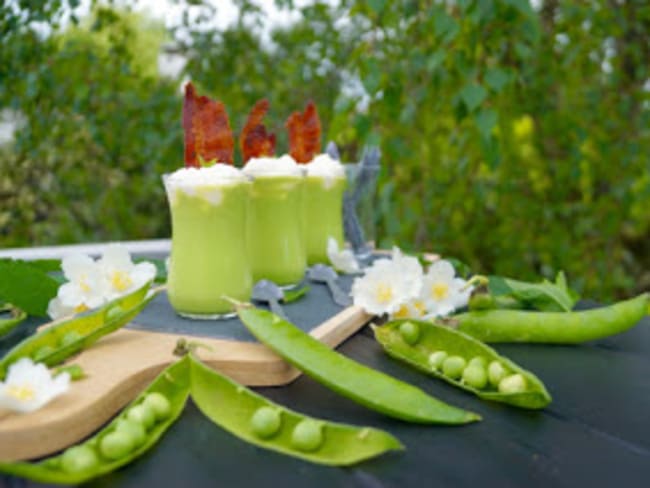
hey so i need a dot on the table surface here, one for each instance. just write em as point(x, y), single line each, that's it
point(596, 432)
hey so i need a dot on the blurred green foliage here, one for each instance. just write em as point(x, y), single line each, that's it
point(514, 138)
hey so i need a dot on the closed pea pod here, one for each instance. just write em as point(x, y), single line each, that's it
point(255, 419)
point(554, 327)
point(364, 385)
point(473, 377)
point(117, 444)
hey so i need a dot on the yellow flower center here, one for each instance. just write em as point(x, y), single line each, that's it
point(403, 312)
point(439, 291)
point(83, 284)
point(384, 293)
point(22, 393)
point(80, 308)
point(121, 281)
point(420, 307)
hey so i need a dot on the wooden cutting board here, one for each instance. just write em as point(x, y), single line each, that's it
point(121, 365)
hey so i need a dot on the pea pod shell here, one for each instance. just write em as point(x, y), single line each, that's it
point(366, 386)
point(231, 406)
point(7, 325)
point(173, 382)
point(91, 327)
point(435, 338)
point(554, 327)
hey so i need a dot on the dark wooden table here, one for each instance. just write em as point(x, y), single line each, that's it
point(595, 433)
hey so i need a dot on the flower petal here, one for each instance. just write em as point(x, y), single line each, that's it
point(442, 270)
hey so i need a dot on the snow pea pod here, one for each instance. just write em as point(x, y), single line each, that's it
point(360, 383)
point(55, 344)
point(9, 324)
point(120, 442)
point(554, 327)
point(439, 345)
point(261, 422)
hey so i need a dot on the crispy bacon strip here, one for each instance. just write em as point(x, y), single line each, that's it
point(254, 141)
point(304, 134)
point(207, 132)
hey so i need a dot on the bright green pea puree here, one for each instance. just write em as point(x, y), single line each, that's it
point(208, 257)
point(275, 234)
point(322, 216)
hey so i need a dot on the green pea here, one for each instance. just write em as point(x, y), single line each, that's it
point(453, 367)
point(436, 358)
point(113, 312)
point(142, 414)
point(159, 404)
point(116, 445)
point(79, 458)
point(514, 383)
point(410, 332)
point(307, 435)
point(478, 361)
point(496, 372)
point(134, 429)
point(266, 422)
point(42, 353)
point(475, 376)
point(69, 338)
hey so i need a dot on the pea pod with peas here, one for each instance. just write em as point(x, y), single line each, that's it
point(463, 361)
point(132, 433)
point(258, 421)
point(53, 345)
point(553, 327)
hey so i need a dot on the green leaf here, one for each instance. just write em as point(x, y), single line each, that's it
point(496, 78)
point(371, 78)
point(377, 6)
point(27, 287)
point(485, 121)
point(545, 296)
point(472, 96)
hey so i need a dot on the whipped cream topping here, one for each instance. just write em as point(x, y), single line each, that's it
point(270, 166)
point(323, 166)
point(205, 183)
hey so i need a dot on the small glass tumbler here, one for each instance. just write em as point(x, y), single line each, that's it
point(208, 259)
point(275, 238)
point(322, 215)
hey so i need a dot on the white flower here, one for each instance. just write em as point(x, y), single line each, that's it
point(388, 284)
point(29, 386)
point(343, 260)
point(121, 275)
point(56, 309)
point(442, 293)
point(86, 287)
point(411, 271)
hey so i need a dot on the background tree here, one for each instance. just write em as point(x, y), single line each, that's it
point(514, 137)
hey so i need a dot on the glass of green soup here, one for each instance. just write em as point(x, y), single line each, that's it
point(208, 257)
point(325, 183)
point(275, 234)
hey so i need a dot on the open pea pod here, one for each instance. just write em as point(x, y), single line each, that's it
point(462, 361)
point(58, 342)
point(259, 421)
point(9, 324)
point(132, 433)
